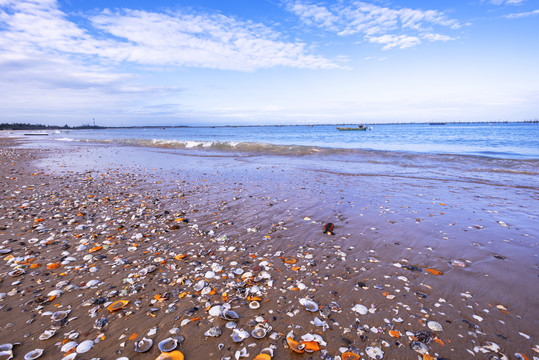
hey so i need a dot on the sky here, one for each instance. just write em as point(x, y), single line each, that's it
point(215, 62)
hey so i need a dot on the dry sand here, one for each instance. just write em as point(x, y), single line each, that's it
point(417, 254)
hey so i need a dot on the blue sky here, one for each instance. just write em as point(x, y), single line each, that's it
point(268, 61)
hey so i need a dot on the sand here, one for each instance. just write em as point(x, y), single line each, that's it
point(415, 252)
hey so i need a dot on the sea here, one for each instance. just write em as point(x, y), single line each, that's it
point(499, 153)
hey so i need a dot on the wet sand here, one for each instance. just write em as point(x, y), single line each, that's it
point(229, 231)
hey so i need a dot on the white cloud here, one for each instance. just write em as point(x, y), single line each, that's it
point(375, 23)
point(522, 14)
point(149, 38)
point(505, 2)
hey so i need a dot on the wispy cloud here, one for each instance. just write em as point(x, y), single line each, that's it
point(522, 14)
point(150, 38)
point(505, 2)
point(393, 28)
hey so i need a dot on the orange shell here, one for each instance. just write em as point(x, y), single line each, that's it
point(427, 357)
point(350, 356)
point(173, 355)
point(310, 346)
point(53, 266)
point(117, 305)
point(262, 357)
point(290, 260)
point(96, 248)
point(395, 333)
point(434, 271)
point(33, 266)
point(294, 345)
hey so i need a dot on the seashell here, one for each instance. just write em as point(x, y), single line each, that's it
point(231, 325)
point(259, 332)
point(238, 335)
point(311, 305)
point(55, 293)
point(59, 315)
point(350, 356)
point(360, 309)
point(34, 354)
point(70, 356)
point(152, 331)
point(310, 346)
point(16, 272)
point(230, 315)
point(84, 346)
point(168, 344)
point(53, 266)
point(199, 285)
point(117, 305)
point(263, 357)
point(214, 332)
point(419, 347)
point(68, 346)
point(47, 334)
point(209, 274)
point(5, 251)
point(173, 355)
point(295, 346)
point(374, 352)
point(434, 326)
point(492, 346)
point(215, 310)
point(267, 351)
point(143, 345)
point(254, 305)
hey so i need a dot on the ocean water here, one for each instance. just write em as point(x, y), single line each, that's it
point(505, 154)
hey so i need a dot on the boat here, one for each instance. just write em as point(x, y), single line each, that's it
point(36, 134)
point(359, 128)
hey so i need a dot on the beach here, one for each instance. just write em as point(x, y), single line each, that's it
point(115, 244)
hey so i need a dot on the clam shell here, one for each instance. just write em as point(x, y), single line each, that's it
point(238, 335)
point(55, 293)
point(199, 285)
point(117, 305)
point(419, 347)
point(360, 309)
point(68, 346)
point(254, 305)
point(84, 346)
point(59, 315)
point(5, 251)
point(6, 347)
point(434, 326)
point(168, 345)
point(143, 345)
point(259, 333)
point(47, 334)
point(215, 310)
point(16, 272)
point(174, 355)
point(311, 306)
point(374, 352)
point(230, 315)
point(214, 332)
point(34, 354)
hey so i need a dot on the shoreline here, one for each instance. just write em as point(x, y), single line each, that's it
point(256, 218)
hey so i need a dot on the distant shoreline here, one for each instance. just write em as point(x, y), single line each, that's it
point(26, 127)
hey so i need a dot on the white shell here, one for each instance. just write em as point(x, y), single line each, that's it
point(215, 310)
point(259, 333)
point(70, 356)
point(238, 335)
point(85, 346)
point(68, 346)
point(374, 352)
point(34, 354)
point(47, 334)
point(143, 345)
point(209, 274)
point(168, 345)
point(310, 305)
point(59, 315)
point(435, 326)
point(361, 309)
point(199, 285)
point(55, 293)
point(254, 305)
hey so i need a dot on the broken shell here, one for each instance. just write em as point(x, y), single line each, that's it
point(350, 356)
point(55, 293)
point(143, 345)
point(434, 326)
point(47, 334)
point(214, 332)
point(267, 351)
point(419, 347)
point(294, 345)
point(238, 335)
point(215, 310)
point(84, 346)
point(310, 346)
point(34, 354)
point(374, 352)
point(174, 355)
point(311, 305)
point(168, 344)
point(117, 305)
point(199, 285)
point(259, 333)
point(254, 305)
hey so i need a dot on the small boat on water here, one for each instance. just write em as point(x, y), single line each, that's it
point(359, 128)
point(36, 134)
